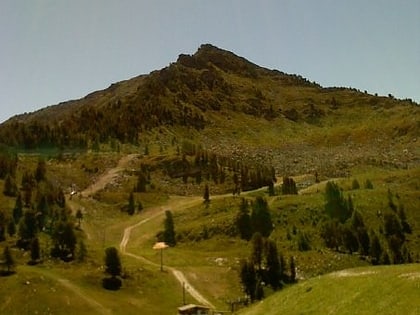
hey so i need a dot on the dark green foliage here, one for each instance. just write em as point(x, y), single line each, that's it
point(41, 170)
point(64, 241)
point(9, 261)
point(336, 207)
point(35, 250)
point(355, 184)
point(112, 283)
point(112, 262)
point(248, 277)
point(303, 241)
point(3, 225)
point(271, 190)
point(169, 229)
point(403, 218)
point(18, 209)
point(273, 266)
point(349, 239)
point(289, 186)
point(131, 204)
point(11, 228)
point(375, 249)
point(261, 217)
point(257, 242)
point(141, 182)
point(28, 226)
point(206, 195)
point(368, 184)
point(292, 278)
point(10, 188)
point(243, 221)
point(331, 231)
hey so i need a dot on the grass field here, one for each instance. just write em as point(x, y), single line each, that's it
point(367, 290)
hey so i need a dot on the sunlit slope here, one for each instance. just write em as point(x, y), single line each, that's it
point(369, 290)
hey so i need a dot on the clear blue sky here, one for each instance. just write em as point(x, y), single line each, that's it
point(56, 50)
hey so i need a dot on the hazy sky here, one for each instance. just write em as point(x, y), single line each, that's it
point(55, 50)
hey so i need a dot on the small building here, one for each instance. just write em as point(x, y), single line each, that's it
point(192, 309)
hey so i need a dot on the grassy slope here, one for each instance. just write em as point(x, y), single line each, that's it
point(366, 290)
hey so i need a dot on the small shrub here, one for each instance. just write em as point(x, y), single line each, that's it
point(368, 184)
point(355, 184)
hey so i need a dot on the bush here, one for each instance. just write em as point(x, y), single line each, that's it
point(112, 283)
point(355, 184)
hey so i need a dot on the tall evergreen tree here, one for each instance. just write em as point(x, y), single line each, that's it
point(35, 250)
point(112, 262)
point(10, 188)
point(336, 207)
point(131, 204)
point(243, 221)
point(206, 195)
point(261, 217)
point(248, 277)
point(169, 229)
point(18, 209)
point(375, 249)
point(9, 261)
point(257, 250)
point(273, 266)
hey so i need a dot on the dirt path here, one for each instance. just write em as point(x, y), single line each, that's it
point(106, 178)
point(177, 273)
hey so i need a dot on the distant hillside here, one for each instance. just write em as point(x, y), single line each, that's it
point(227, 104)
point(368, 290)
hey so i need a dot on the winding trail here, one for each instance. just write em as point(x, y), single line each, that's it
point(177, 273)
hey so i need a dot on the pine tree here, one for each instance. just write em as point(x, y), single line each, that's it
point(248, 278)
point(9, 261)
point(41, 170)
point(10, 188)
point(169, 229)
point(35, 250)
point(375, 249)
point(131, 204)
point(112, 262)
point(243, 221)
point(82, 251)
point(18, 209)
point(273, 265)
point(336, 207)
point(206, 195)
point(261, 217)
point(11, 228)
point(257, 250)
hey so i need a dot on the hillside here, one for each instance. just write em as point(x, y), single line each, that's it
point(104, 171)
point(225, 103)
point(367, 290)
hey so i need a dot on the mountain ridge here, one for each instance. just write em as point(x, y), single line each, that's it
point(188, 93)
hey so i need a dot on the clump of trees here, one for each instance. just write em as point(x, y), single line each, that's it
point(265, 266)
point(258, 220)
point(345, 229)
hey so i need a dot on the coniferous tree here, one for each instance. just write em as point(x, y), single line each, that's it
point(11, 228)
point(18, 209)
point(41, 170)
point(273, 266)
point(375, 249)
point(82, 251)
point(355, 184)
point(206, 195)
point(169, 229)
point(35, 250)
point(131, 204)
point(257, 250)
point(243, 221)
point(10, 188)
point(248, 278)
point(112, 262)
point(289, 186)
point(336, 207)
point(9, 261)
point(261, 217)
